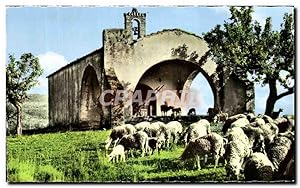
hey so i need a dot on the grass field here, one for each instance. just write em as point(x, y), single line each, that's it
point(80, 157)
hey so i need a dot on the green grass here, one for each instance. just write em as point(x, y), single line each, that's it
point(80, 157)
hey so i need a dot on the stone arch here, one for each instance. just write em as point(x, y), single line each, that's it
point(192, 76)
point(175, 75)
point(131, 61)
point(90, 108)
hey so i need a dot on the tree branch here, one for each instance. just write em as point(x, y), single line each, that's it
point(288, 92)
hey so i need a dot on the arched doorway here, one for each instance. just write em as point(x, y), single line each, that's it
point(147, 107)
point(90, 108)
point(175, 77)
point(199, 86)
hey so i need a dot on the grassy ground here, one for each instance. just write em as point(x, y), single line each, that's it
point(80, 157)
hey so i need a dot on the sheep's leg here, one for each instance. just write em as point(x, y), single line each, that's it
point(185, 139)
point(131, 151)
point(143, 153)
point(176, 139)
point(198, 162)
point(144, 148)
point(123, 157)
point(116, 141)
point(205, 158)
point(216, 160)
point(108, 144)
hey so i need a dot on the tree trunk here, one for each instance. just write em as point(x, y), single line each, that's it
point(272, 98)
point(270, 105)
point(19, 126)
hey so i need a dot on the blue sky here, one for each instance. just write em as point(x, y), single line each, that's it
point(60, 35)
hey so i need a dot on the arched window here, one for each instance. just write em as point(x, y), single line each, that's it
point(135, 29)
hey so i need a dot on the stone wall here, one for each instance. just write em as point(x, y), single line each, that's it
point(129, 61)
point(125, 63)
point(64, 87)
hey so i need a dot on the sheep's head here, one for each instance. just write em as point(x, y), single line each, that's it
point(259, 144)
point(160, 142)
point(232, 173)
point(233, 169)
point(225, 144)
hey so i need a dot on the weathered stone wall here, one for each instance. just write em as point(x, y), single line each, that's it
point(126, 62)
point(129, 61)
point(64, 87)
point(234, 96)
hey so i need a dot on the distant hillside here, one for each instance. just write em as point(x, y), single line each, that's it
point(34, 113)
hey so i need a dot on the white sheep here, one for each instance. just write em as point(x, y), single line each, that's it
point(278, 150)
point(270, 131)
point(258, 167)
point(237, 150)
point(139, 141)
point(267, 119)
point(116, 134)
point(250, 117)
point(197, 129)
point(203, 146)
point(260, 122)
point(157, 143)
point(232, 119)
point(129, 128)
point(141, 126)
point(286, 169)
point(240, 122)
point(256, 138)
point(154, 129)
point(173, 130)
point(284, 124)
point(220, 117)
point(117, 152)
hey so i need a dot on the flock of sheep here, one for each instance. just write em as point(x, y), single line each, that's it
point(259, 147)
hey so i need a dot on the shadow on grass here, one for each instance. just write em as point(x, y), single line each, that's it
point(192, 179)
point(163, 165)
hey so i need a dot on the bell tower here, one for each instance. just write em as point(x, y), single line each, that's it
point(135, 23)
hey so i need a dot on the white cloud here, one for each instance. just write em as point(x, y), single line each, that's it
point(50, 62)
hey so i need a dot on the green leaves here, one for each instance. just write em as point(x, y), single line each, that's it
point(21, 76)
point(247, 48)
point(244, 44)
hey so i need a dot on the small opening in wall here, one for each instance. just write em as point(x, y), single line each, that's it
point(135, 29)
